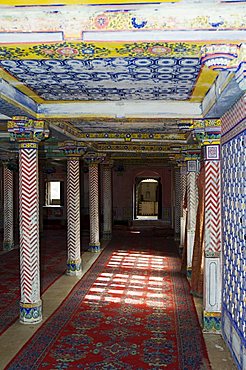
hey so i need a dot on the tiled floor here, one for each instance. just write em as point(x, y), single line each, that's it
point(15, 337)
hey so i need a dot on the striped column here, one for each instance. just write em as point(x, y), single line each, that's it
point(177, 184)
point(28, 133)
point(192, 203)
point(73, 217)
point(107, 199)
point(1, 197)
point(93, 160)
point(73, 153)
point(212, 240)
point(8, 207)
point(183, 181)
point(30, 305)
point(41, 197)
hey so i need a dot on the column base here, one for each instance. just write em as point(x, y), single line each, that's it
point(107, 235)
point(74, 267)
point(31, 313)
point(7, 246)
point(95, 248)
point(189, 272)
point(212, 322)
point(177, 237)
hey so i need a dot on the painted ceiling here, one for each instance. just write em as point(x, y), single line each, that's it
point(108, 78)
point(92, 62)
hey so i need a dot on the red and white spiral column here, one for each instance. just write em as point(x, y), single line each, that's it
point(73, 217)
point(107, 199)
point(28, 133)
point(183, 183)
point(8, 207)
point(93, 160)
point(212, 240)
point(192, 203)
point(73, 153)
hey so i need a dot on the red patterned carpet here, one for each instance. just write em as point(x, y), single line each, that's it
point(53, 264)
point(132, 310)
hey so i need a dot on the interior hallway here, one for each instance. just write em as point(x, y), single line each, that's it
point(15, 337)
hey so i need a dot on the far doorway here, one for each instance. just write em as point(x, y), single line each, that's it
point(147, 199)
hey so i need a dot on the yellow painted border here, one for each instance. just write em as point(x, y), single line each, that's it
point(205, 79)
point(20, 86)
point(79, 2)
point(99, 49)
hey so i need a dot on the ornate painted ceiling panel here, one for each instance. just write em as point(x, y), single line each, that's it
point(107, 78)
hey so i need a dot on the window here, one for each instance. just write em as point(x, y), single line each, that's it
point(54, 193)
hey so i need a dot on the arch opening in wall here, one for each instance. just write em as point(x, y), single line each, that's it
point(147, 198)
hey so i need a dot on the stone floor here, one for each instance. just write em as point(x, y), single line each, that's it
point(18, 334)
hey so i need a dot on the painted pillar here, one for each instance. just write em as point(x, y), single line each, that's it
point(1, 196)
point(93, 160)
point(107, 199)
point(16, 208)
point(233, 59)
point(183, 183)
point(73, 153)
point(28, 133)
point(41, 198)
point(212, 240)
point(209, 137)
point(8, 207)
point(192, 203)
point(177, 184)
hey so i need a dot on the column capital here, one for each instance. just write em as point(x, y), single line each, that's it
point(72, 149)
point(93, 158)
point(108, 162)
point(222, 56)
point(208, 136)
point(26, 131)
point(11, 164)
point(230, 57)
point(211, 152)
point(182, 167)
point(192, 154)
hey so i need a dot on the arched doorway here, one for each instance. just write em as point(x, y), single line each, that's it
point(147, 198)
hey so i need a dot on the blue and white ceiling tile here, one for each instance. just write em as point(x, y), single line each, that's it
point(107, 79)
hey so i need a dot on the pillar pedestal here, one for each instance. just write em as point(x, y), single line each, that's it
point(31, 313)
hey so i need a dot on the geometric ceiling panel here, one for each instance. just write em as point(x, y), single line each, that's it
point(128, 78)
